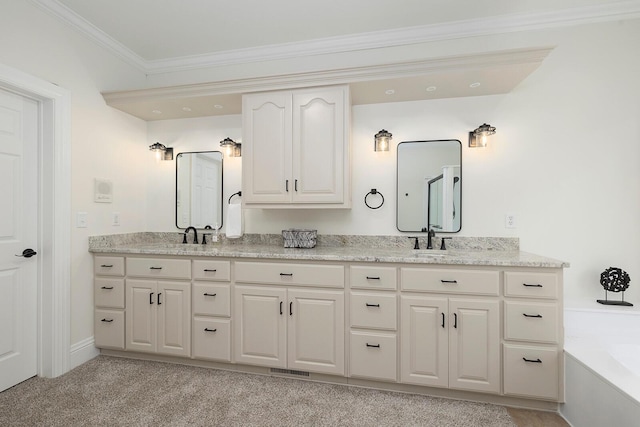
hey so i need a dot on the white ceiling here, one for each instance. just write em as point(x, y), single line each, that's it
point(163, 29)
point(168, 35)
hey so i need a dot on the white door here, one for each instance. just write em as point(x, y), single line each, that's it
point(18, 231)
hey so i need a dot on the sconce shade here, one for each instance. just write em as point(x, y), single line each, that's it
point(162, 152)
point(382, 140)
point(479, 137)
point(231, 148)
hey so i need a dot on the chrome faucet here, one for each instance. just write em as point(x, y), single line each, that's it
point(195, 234)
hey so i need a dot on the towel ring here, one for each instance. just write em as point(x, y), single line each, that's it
point(374, 191)
point(239, 194)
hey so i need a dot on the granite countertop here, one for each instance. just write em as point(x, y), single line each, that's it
point(344, 253)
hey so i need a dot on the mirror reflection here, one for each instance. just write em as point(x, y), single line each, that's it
point(429, 186)
point(199, 198)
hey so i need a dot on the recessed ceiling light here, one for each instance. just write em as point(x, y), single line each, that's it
point(217, 106)
point(156, 112)
point(431, 88)
point(186, 109)
point(389, 91)
point(476, 84)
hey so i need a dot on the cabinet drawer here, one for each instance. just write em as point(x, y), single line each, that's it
point(290, 274)
point(537, 376)
point(373, 310)
point(108, 292)
point(533, 285)
point(109, 328)
point(211, 299)
point(212, 339)
point(160, 268)
point(108, 265)
point(529, 321)
point(450, 281)
point(366, 277)
point(211, 270)
point(373, 355)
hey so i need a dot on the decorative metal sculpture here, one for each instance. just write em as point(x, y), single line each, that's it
point(614, 279)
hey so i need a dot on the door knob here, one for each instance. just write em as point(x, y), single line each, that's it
point(28, 253)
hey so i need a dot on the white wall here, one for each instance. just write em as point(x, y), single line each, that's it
point(105, 143)
point(564, 160)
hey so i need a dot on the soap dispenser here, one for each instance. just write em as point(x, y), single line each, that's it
point(216, 233)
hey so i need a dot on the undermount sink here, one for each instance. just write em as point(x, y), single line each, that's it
point(429, 252)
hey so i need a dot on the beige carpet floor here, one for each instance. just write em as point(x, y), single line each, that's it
point(110, 391)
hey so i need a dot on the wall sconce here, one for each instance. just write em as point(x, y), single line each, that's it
point(382, 139)
point(478, 138)
point(231, 148)
point(162, 152)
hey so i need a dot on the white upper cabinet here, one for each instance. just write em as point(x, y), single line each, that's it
point(295, 148)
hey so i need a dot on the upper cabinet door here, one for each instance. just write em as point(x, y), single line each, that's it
point(295, 148)
point(319, 140)
point(266, 148)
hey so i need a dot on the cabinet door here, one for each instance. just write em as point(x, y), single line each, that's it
point(319, 140)
point(266, 146)
point(174, 312)
point(316, 331)
point(260, 326)
point(140, 315)
point(474, 345)
point(424, 329)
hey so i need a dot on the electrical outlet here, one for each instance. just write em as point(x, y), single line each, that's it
point(510, 220)
point(116, 219)
point(81, 219)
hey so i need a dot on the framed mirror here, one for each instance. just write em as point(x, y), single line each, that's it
point(429, 193)
point(199, 198)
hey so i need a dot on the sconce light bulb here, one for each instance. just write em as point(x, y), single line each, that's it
point(158, 153)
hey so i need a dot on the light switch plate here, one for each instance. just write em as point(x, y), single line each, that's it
point(81, 219)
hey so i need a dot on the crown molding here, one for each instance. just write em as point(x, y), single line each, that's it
point(502, 24)
point(329, 77)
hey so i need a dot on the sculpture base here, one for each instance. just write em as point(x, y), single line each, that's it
point(608, 302)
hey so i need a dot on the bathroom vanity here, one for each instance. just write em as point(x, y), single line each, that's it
point(472, 324)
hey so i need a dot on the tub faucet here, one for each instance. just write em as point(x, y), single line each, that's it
point(195, 234)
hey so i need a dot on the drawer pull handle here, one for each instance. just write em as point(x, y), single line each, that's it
point(151, 298)
point(442, 320)
point(107, 320)
point(291, 309)
point(155, 268)
point(280, 308)
point(159, 293)
point(373, 345)
point(372, 305)
point(372, 278)
point(449, 281)
point(210, 271)
point(531, 361)
point(210, 330)
point(106, 265)
point(107, 287)
point(537, 285)
point(539, 316)
point(286, 274)
point(206, 294)
point(455, 320)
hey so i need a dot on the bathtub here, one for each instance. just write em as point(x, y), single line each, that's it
point(602, 367)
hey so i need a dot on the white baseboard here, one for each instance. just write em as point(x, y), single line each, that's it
point(81, 352)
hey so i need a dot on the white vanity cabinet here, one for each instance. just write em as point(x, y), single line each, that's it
point(450, 341)
point(532, 349)
point(295, 148)
point(295, 325)
point(109, 298)
point(158, 310)
point(373, 313)
point(211, 308)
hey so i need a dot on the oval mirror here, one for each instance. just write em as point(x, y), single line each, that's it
point(199, 199)
point(429, 192)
